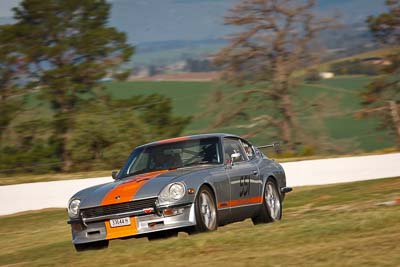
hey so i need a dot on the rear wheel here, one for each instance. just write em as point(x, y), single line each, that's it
point(206, 211)
point(91, 246)
point(271, 210)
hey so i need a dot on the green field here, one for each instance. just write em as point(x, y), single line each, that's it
point(340, 95)
point(336, 127)
point(335, 225)
point(191, 98)
point(188, 98)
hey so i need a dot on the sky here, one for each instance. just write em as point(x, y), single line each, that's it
point(163, 20)
point(171, 19)
point(5, 7)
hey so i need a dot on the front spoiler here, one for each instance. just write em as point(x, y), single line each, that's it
point(97, 231)
point(285, 190)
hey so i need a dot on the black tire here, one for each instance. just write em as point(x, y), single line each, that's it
point(91, 246)
point(271, 197)
point(205, 206)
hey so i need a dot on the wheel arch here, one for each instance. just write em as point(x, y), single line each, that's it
point(212, 189)
point(275, 181)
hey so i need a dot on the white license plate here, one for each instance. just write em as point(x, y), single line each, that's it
point(120, 222)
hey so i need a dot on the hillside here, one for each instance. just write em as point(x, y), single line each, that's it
point(191, 98)
point(332, 129)
point(193, 30)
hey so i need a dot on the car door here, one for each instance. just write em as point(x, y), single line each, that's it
point(244, 179)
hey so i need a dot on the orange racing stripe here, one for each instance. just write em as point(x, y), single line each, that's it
point(126, 192)
point(177, 139)
point(240, 202)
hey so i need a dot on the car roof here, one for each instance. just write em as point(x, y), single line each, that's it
point(190, 137)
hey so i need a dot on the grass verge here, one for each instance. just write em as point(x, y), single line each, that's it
point(335, 225)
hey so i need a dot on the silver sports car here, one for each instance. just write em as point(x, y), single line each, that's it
point(194, 183)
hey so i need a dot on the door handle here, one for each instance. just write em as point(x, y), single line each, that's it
point(255, 172)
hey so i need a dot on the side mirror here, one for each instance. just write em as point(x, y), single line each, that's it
point(277, 147)
point(235, 157)
point(114, 174)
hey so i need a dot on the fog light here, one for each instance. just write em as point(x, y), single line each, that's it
point(77, 226)
point(172, 211)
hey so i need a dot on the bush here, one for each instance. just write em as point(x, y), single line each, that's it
point(312, 76)
point(356, 66)
point(101, 136)
point(40, 158)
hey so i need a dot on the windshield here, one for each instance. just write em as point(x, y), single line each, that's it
point(172, 156)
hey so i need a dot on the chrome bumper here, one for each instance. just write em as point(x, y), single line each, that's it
point(96, 230)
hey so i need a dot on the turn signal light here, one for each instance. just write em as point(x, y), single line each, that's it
point(172, 211)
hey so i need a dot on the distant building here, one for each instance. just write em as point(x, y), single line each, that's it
point(376, 61)
point(139, 73)
point(326, 75)
point(176, 67)
point(106, 79)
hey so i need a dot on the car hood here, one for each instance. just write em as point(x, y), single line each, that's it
point(131, 188)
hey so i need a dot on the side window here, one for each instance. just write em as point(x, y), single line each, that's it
point(234, 147)
point(248, 149)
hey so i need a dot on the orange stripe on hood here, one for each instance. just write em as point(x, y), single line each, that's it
point(126, 192)
point(128, 189)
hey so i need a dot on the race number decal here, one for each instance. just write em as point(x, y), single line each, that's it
point(244, 185)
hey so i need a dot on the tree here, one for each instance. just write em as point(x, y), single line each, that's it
point(102, 135)
point(385, 27)
point(156, 111)
point(102, 138)
point(105, 133)
point(198, 65)
point(275, 38)
point(32, 150)
point(382, 96)
point(67, 47)
point(10, 69)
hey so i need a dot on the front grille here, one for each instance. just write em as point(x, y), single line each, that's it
point(119, 208)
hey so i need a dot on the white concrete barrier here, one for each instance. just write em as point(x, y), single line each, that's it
point(35, 196)
point(341, 170)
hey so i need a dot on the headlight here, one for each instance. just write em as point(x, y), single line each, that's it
point(73, 208)
point(173, 192)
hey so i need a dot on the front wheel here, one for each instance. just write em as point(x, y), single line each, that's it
point(271, 210)
point(206, 211)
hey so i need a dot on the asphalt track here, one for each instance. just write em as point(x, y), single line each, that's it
point(36, 196)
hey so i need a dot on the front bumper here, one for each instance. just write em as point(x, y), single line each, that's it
point(144, 224)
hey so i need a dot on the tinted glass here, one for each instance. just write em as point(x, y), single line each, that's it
point(173, 155)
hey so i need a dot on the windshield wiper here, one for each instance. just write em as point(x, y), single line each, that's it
point(198, 163)
point(134, 173)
